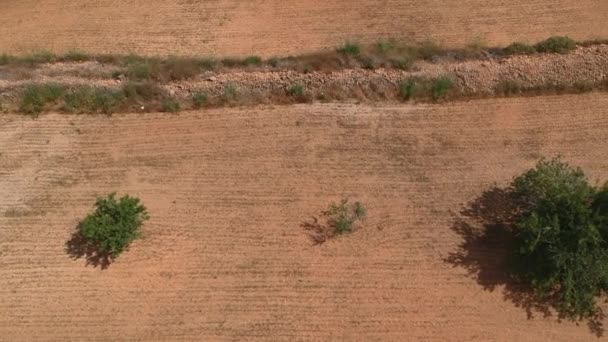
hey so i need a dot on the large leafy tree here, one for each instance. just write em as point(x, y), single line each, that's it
point(561, 236)
point(114, 224)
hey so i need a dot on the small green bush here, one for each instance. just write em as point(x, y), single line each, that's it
point(296, 90)
point(230, 92)
point(556, 44)
point(142, 91)
point(252, 60)
point(35, 96)
point(139, 71)
point(561, 236)
point(407, 89)
point(343, 216)
point(199, 99)
point(114, 224)
point(519, 48)
point(385, 45)
point(170, 105)
point(440, 87)
point(349, 48)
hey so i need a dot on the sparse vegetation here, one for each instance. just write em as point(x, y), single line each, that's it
point(230, 92)
point(92, 100)
point(440, 87)
point(385, 45)
point(199, 99)
point(561, 236)
point(114, 224)
point(407, 89)
point(170, 105)
point(556, 44)
point(343, 216)
point(252, 60)
point(75, 56)
point(36, 96)
point(139, 70)
point(350, 48)
point(296, 90)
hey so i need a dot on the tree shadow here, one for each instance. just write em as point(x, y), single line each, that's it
point(78, 247)
point(486, 228)
point(318, 231)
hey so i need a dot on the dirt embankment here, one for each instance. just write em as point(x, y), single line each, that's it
point(586, 66)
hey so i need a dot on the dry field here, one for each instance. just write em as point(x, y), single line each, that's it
point(269, 27)
point(224, 255)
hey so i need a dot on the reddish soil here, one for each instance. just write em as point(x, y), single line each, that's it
point(224, 255)
point(282, 27)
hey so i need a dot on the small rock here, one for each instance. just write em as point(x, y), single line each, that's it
point(211, 79)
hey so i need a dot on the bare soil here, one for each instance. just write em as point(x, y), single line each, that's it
point(283, 27)
point(225, 256)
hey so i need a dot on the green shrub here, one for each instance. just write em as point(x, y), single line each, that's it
point(170, 105)
point(349, 48)
point(519, 48)
point(199, 99)
point(139, 71)
point(556, 44)
point(385, 45)
point(114, 224)
point(561, 236)
point(440, 87)
point(252, 60)
point(230, 92)
point(296, 90)
point(407, 89)
point(92, 100)
point(35, 96)
point(342, 216)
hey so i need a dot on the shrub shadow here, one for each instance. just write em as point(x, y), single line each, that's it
point(318, 230)
point(78, 247)
point(486, 228)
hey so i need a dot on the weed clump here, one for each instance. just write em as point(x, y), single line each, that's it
point(199, 99)
point(440, 88)
point(349, 48)
point(407, 89)
point(36, 96)
point(170, 105)
point(342, 216)
point(519, 48)
point(556, 44)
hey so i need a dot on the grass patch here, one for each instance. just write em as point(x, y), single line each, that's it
point(199, 99)
point(5, 59)
point(343, 216)
point(230, 92)
point(170, 105)
point(407, 89)
point(252, 60)
point(296, 90)
point(385, 45)
point(350, 48)
point(508, 88)
point(427, 49)
point(556, 44)
point(92, 100)
point(139, 70)
point(36, 96)
point(75, 56)
point(440, 88)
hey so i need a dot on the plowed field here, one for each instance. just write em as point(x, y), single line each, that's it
point(269, 27)
point(224, 256)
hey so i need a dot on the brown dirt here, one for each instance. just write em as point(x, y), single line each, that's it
point(281, 27)
point(224, 256)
